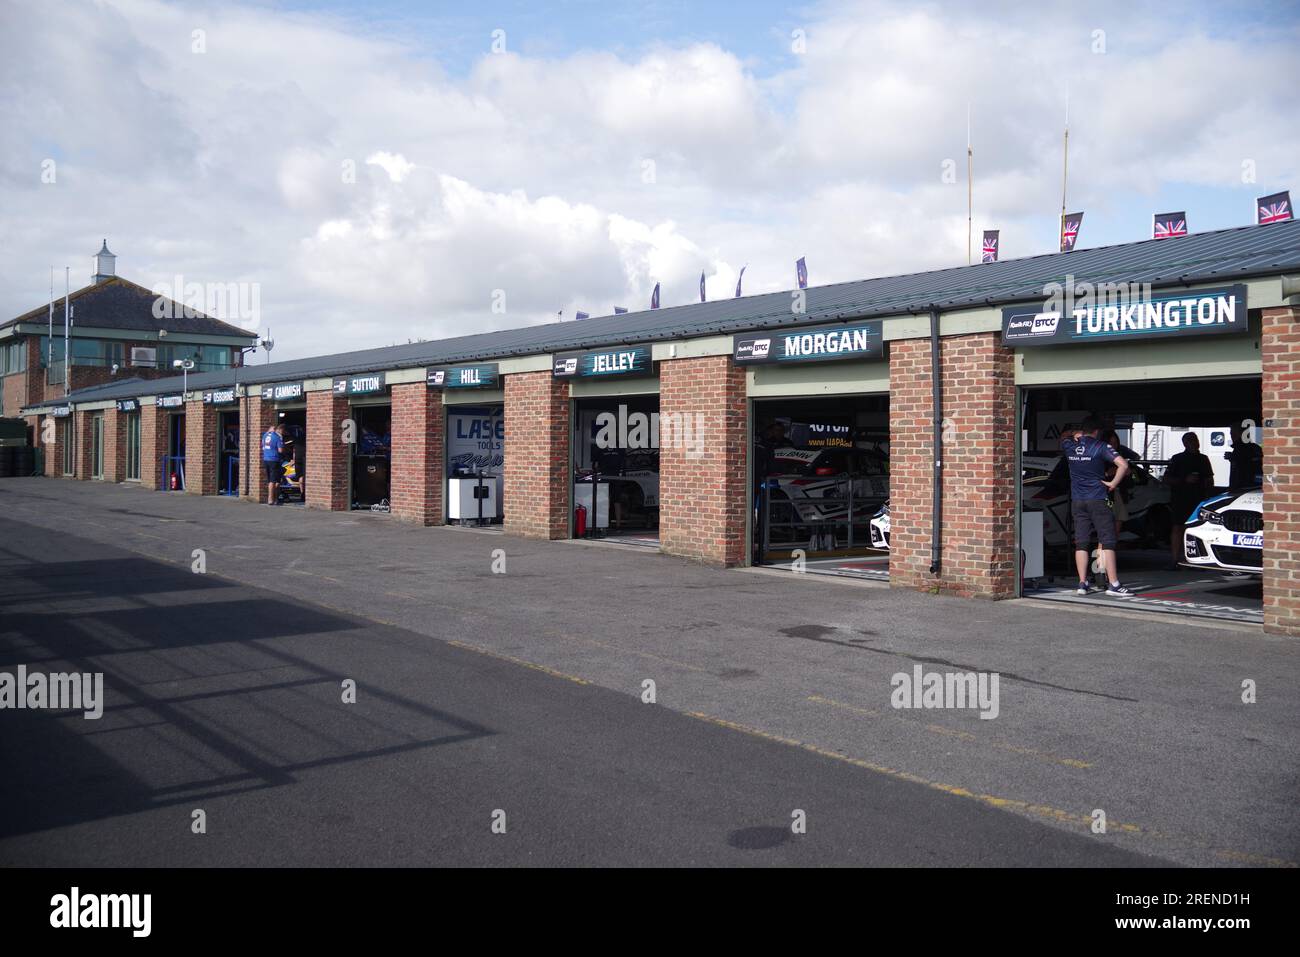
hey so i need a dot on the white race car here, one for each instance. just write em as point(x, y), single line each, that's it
point(880, 528)
point(1226, 533)
point(817, 482)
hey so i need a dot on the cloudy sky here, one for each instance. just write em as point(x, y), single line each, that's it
point(380, 171)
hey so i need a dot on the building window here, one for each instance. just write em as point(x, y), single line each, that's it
point(13, 357)
point(133, 445)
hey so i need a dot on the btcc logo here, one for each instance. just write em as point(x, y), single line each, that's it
point(1041, 324)
point(761, 348)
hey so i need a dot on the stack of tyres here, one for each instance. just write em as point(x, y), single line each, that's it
point(24, 460)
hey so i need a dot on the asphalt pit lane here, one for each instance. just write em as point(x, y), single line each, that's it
point(758, 838)
point(737, 673)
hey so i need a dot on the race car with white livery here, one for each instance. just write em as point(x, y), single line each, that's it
point(818, 482)
point(1226, 533)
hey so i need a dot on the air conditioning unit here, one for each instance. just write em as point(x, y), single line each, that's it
point(145, 356)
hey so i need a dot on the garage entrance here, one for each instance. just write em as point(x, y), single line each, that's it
point(293, 484)
point(615, 477)
point(173, 463)
point(819, 493)
point(475, 457)
point(1189, 528)
point(372, 456)
point(228, 453)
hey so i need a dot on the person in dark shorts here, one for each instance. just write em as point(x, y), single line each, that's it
point(1088, 456)
point(272, 455)
point(1190, 478)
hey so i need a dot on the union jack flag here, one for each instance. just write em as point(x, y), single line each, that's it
point(1169, 225)
point(990, 254)
point(1070, 224)
point(1273, 209)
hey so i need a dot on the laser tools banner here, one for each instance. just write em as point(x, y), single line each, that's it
point(1165, 315)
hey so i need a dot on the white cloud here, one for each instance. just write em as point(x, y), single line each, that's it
point(375, 196)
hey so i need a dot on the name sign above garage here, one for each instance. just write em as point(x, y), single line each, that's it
point(282, 392)
point(1172, 315)
point(862, 340)
point(366, 384)
point(602, 363)
point(219, 397)
point(169, 401)
point(128, 405)
point(484, 375)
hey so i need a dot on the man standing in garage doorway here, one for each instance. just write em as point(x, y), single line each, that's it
point(272, 454)
point(1190, 478)
point(1246, 469)
point(1090, 507)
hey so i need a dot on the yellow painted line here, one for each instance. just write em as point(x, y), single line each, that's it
point(1013, 748)
point(960, 735)
point(520, 661)
point(1039, 810)
point(840, 704)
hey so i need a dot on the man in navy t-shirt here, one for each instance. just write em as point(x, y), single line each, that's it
point(1088, 458)
point(272, 455)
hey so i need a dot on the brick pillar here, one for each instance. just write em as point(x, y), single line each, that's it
point(703, 433)
point(1280, 344)
point(979, 554)
point(153, 442)
point(255, 417)
point(200, 448)
point(114, 446)
point(328, 457)
point(536, 488)
point(83, 445)
point(417, 455)
point(52, 428)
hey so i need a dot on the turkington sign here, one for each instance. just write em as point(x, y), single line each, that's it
point(863, 340)
point(1167, 315)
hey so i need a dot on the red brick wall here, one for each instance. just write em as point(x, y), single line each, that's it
point(200, 448)
point(328, 457)
point(114, 446)
point(979, 551)
point(254, 419)
point(536, 487)
point(417, 454)
point(154, 424)
point(703, 497)
point(1280, 344)
point(51, 427)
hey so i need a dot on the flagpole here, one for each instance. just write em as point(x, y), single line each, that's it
point(970, 187)
point(1065, 166)
point(67, 330)
point(49, 359)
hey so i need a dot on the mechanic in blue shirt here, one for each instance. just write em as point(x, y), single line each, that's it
point(1090, 506)
point(272, 464)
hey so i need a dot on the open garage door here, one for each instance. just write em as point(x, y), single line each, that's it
point(820, 488)
point(1188, 518)
point(616, 469)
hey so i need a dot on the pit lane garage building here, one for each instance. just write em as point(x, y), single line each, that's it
point(960, 377)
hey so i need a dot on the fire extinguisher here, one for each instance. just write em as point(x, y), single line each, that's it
point(175, 482)
point(580, 521)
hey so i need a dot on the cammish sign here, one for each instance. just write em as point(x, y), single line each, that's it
point(484, 375)
point(863, 340)
point(360, 384)
point(176, 401)
point(219, 396)
point(601, 363)
point(1171, 315)
point(282, 392)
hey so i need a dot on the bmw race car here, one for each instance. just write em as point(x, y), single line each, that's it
point(1226, 533)
point(880, 528)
